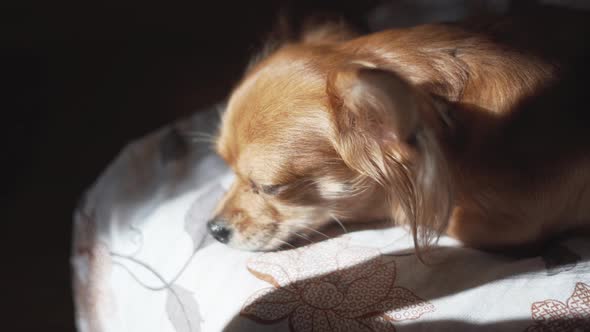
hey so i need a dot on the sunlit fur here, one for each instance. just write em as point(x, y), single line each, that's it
point(461, 128)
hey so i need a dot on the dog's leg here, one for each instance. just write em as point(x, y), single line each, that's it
point(494, 232)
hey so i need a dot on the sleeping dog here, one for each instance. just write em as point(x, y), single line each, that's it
point(479, 130)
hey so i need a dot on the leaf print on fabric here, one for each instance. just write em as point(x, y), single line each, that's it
point(271, 268)
point(364, 293)
point(182, 310)
point(270, 304)
point(555, 316)
point(331, 286)
point(407, 305)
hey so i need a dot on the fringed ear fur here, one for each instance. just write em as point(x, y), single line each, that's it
point(313, 30)
point(326, 31)
point(384, 130)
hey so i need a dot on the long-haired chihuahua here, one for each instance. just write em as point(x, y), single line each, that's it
point(480, 130)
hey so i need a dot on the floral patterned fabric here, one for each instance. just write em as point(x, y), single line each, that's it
point(142, 261)
point(331, 286)
point(554, 315)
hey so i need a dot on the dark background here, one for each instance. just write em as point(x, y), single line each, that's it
point(80, 81)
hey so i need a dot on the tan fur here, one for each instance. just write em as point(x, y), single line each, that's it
point(456, 128)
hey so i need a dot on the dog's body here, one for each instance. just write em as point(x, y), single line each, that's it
point(479, 130)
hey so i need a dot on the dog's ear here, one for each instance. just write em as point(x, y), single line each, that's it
point(386, 129)
point(375, 114)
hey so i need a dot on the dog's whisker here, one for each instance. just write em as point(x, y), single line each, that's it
point(199, 137)
point(302, 236)
point(339, 223)
point(197, 140)
point(285, 243)
point(315, 231)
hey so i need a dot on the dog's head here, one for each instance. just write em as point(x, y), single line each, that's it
point(314, 135)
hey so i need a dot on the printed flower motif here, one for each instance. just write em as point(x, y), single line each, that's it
point(556, 316)
point(331, 286)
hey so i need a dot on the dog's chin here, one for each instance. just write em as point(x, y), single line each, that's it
point(295, 233)
point(263, 246)
point(284, 239)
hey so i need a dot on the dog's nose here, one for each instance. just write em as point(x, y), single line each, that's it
point(219, 229)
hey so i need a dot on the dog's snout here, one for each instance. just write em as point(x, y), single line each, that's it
point(219, 229)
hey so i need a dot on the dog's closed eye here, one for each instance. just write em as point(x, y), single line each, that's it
point(272, 189)
point(254, 187)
